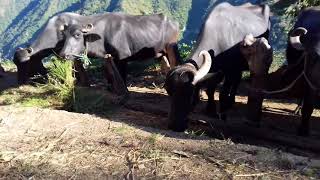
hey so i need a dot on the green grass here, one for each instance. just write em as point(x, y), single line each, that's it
point(61, 81)
point(35, 102)
point(8, 65)
point(60, 92)
point(30, 96)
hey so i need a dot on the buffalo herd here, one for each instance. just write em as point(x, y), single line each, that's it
point(232, 39)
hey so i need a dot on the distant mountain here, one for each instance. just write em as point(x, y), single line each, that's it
point(22, 20)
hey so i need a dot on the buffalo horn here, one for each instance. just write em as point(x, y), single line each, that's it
point(165, 62)
point(29, 49)
point(87, 28)
point(295, 36)
point(63, 27)
point(205, 67)
point(249, 40)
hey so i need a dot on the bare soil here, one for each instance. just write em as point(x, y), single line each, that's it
point(133, 142)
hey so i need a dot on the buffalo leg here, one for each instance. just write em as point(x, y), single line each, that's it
point(307, 109)
point(254, 108)
point(224, 98)
point(23, 72)
point(173, 55)
point(81, 74)
point(165, 65)
point(211, 87)
point(114, 78)
point(234, 89)
point(121, 67)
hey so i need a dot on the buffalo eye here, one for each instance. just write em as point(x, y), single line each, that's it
point(77, 35)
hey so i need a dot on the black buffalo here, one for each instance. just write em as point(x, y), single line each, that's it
point(123, 36)
point(301, 77)
point(222, 34)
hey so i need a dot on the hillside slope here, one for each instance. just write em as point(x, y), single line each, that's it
point(33, 14)
point(21, 21)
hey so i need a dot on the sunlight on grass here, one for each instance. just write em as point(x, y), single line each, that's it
point(60, 92)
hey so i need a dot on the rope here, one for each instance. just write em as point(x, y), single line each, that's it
point(287, 88)
point(312, 86)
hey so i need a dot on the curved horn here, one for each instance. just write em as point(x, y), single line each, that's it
point(205, 67)
point(248, 40)
point(295, 36)
point(63, 27)
point(87, 28)
point(29, 49)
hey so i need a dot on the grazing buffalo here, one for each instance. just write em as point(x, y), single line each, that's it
point(222, 33)
point(29, 60)
point(125, 37)
point(301, 78)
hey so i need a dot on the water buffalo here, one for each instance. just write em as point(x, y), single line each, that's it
point(222, 34)
point(123, 36)
point(302, 76)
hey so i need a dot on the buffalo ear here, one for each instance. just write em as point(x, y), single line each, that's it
point(92, 37)
point(212, 53)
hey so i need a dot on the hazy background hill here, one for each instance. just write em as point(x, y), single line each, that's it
point(22, 20)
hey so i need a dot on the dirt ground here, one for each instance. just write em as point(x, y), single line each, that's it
point(133, 142)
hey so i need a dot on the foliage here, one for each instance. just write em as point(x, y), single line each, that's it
point(294, 9)
point(61, 81)
point(185, 50)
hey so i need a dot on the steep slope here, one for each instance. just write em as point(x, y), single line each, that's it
point(9, 10)
point(21, 21)
point(26, 25)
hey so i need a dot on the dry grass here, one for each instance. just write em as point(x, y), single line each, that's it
point(62, 145)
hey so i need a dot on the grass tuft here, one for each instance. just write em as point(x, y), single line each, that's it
point(61, 81)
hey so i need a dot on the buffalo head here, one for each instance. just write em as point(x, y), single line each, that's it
point(22, 54)
point(258, 54)
point(309, 43)
point(76, 39)
point(21, 60)
point(181, 85)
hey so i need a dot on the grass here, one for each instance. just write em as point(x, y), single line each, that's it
point(28, 96)
point(154, 138)
point(60, 92)
point(8, 65)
